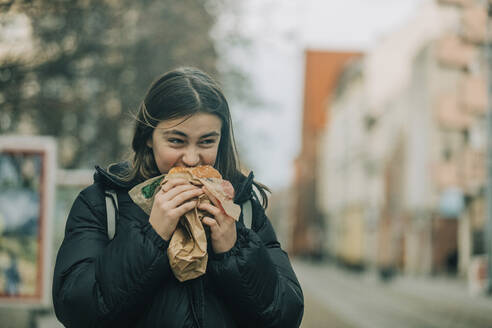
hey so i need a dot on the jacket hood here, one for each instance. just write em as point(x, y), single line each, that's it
point(111, 179)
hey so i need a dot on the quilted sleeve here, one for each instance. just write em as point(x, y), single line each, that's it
point(256, 278)
point(99, 283)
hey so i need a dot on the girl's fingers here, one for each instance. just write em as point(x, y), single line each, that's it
point(171, 183)
point(210, 222)
point(185, 208)
point(172, 193)
point(210, 209)
point(185, 196)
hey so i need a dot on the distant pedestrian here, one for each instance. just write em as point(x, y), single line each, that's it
point(183, 121)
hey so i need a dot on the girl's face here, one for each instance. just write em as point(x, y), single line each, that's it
point(188, 143)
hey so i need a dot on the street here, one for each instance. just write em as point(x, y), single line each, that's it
point(336, 297)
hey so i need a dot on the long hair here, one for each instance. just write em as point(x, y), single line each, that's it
point(181, 93)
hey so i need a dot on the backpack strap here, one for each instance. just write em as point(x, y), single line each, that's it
point(247, 209)
point(247, 214)
point(111, 211)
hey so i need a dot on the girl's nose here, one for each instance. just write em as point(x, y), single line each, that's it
point(191, 157)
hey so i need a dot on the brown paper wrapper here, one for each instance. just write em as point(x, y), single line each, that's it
point(187, 250)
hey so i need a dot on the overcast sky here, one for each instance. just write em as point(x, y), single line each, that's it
point(280, 32)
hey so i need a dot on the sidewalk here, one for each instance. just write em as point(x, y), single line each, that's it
point(363, 300)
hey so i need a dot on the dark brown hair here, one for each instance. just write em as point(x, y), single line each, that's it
point(183, 92)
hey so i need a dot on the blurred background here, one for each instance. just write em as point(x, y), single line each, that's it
point(369, 120)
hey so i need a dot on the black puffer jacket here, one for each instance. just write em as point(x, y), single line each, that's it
point(127, 282)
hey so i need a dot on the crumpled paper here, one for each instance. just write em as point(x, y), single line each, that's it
point(187, 250)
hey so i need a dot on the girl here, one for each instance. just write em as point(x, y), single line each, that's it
point(184, 120)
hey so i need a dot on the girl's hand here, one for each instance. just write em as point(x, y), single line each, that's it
point(222, 226)
point(175, 198)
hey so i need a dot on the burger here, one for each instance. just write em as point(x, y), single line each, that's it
point(205, 175)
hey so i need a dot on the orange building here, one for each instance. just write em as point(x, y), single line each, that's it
point(322, 71)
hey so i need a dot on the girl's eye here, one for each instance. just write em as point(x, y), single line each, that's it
point(208, 141)
point(175, 141)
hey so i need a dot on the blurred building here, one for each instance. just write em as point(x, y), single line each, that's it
point(322, 71)
point(400, 163)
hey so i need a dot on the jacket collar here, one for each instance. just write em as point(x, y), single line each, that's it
point(244, 189)
point(110, 177)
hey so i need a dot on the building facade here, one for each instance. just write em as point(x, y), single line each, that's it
point(401, 169)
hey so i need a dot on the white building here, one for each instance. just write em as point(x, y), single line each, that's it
point(405, 137)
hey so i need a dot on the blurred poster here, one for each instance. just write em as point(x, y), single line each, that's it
point(27, 181)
